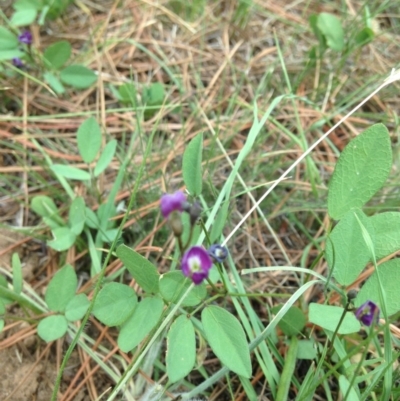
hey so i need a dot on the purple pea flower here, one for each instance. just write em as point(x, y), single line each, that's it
point(368, 313)
point(17, 62)
point(218, 253)
point(172, 202)
point(25, 38)
point(196, 264)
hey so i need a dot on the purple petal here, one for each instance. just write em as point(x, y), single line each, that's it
point(367, 313)
point(25, 37)
point(172, 202)
point(196, 263)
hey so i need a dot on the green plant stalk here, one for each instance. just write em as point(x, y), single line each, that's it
point(387, 385)
point(9, 294)
point(360, 363)
point(288, 369)
point(107, 259)
point(345, 310)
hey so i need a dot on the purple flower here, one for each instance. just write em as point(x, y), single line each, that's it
point(17, 62)
point(218, 253)
point(172, 202)
point(367, 313)
point(196, 264)
point(25, 37)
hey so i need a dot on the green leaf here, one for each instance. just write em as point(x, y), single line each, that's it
point(44, 206)
point(174, 284)
point(58, 53)
point(153, 98)
point(313, 20)
point(144, 318)
point(4, 283)
point(344, 385)
point(181, 349)
point(114, 304)
point(52, 223)
point(56, 8)
point(141, 269)
point(328, 317)
point(1, 325)
point(227, 339)
point(332, 30)
point(23, 17)
point(365, 36)
point(54, 82)
point(92, 221)
point(288, 370)
point(52, 328)
point(387, 233)
point(219, 222)
point(77, 215)
point(61, 289)
point(191, 165)
point(72, 173)
point(389, 273)
point(6, 55)
point(361, 171)
point(77, 307)
point(307, 350)
point(127, 93)
point(293, 321)
point(64, 238)
point(23, 4)
point(8, 41)
point(78, 76)
point(89, 139)
point(106, 157)
point(17, 273)
point(346, 250)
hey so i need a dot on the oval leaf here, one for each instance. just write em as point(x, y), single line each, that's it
point(77, 307)
point(58, 53)
point(191, 165)
point(106, 157)
point(52, 328)
point(227, 339)
point(61, 289)
point(346, 251)
point(8, 41)
point(114, 304)
point(387, 233)
point(174, 284)
point(328, 317)
point(141, 269)
point(44, 206)
point(138, 326)
point(293, 322)
point(389, 274)
point(77, 215)
point(332, 30)
point(361, 171)
point(181, 349)
point(23, 17)
point(78, 76)
point(54, 82)
point(89, 139)
point(64, 238)
point(72, 173)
